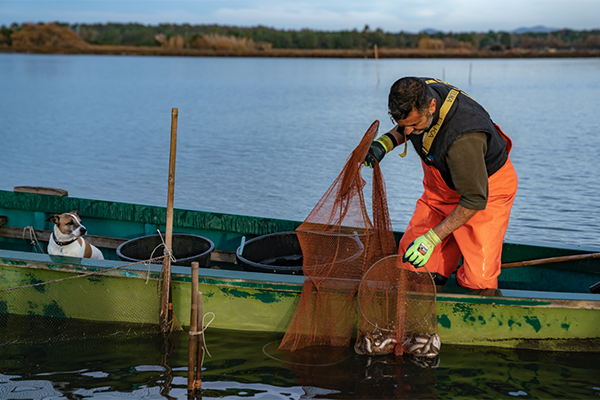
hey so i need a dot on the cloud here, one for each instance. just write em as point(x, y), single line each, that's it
point(389, 15)
point(307, 18)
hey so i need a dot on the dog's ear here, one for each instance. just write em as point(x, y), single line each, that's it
point(74, 213)
point(54, 219)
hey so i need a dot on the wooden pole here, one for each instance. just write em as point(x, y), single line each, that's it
point(470, 71)
point(376, 61)
point(550, 260)
point(166, 305)
point(193, 328)
point(198, 383)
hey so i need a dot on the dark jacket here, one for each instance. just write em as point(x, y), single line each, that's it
point(465, 116)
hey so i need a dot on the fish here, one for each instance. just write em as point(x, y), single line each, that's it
point(375, 343)
point(426, 346)
point(415, 348)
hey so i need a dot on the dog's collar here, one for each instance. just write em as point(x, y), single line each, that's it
point(62, 243)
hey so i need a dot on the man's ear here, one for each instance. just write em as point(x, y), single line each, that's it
point(432, 106)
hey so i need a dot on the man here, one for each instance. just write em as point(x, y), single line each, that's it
point(469, 181)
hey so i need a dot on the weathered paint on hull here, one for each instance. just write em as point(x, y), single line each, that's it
point(238, 308)
point(544, 326)
point(97, 298)
point(255, 302)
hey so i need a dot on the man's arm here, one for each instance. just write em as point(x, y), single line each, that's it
point(457, 218)
point(397, 134)
point(467, 166)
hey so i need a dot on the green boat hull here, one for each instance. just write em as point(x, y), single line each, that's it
point(556, 313)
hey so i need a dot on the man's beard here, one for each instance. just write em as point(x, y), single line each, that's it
point(429, 123)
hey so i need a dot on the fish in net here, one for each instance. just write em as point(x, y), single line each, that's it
point(397, 313)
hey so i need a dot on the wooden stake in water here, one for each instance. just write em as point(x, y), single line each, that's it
point(470, 71)
point(200, 318)
point(166, 311)
point(376, 61)
point(193, 329)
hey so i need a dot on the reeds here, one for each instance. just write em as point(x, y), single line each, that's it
point(47, 36)
point(212, 42)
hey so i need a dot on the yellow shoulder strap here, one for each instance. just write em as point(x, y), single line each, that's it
point(431, 134)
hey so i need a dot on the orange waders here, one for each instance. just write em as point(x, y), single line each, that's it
point(479, 240)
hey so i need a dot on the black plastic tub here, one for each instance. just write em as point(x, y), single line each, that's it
point(186, 249)
point(275, 253)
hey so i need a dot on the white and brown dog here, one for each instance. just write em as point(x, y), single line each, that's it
point(66, 239)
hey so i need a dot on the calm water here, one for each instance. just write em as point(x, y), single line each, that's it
point(267, 137)
point(249, 367)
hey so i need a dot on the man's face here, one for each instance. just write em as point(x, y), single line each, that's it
point(416, 122)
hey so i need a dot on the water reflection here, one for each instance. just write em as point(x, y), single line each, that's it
point(148, 367)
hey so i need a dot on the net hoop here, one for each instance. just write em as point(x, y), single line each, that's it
point(272, 353)
point(360, 286)
point(355, 236)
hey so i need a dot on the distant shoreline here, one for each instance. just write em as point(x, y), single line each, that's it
point(304, 53)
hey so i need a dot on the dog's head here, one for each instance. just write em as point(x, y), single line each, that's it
point(68, 224)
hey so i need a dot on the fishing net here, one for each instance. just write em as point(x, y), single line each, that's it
point(340, 245)
point(397, 314)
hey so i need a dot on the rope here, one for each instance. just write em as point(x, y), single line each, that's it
point(33, 238)
point(167, 250)
point(201, 332)
point(81, 275)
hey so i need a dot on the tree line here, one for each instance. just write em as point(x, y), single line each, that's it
point(261, 37)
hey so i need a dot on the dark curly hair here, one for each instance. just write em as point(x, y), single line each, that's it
point(406, 94)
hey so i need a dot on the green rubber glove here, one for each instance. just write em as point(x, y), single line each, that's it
point(420, 249)
point(379, 148)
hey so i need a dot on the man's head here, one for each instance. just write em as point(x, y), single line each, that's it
point(411, 105)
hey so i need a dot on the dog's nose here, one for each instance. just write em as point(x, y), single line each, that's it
point(83, 230)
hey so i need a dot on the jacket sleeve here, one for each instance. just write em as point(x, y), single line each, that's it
point(466, 162)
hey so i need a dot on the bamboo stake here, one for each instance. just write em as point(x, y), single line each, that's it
point(193, 328)
point(167, 307)
point(198, 382)
point(550, 260)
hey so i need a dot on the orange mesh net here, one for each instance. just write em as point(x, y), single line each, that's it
point(339, 243)
point(348, 257)
point(396, 305)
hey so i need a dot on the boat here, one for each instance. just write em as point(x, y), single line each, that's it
point(543, 306)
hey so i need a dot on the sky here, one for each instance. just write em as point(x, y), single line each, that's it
point(327, 15)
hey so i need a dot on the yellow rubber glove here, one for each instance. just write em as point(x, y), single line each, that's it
point(420, 249)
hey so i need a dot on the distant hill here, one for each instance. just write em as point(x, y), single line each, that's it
point(535, 29)
point(518, 31)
